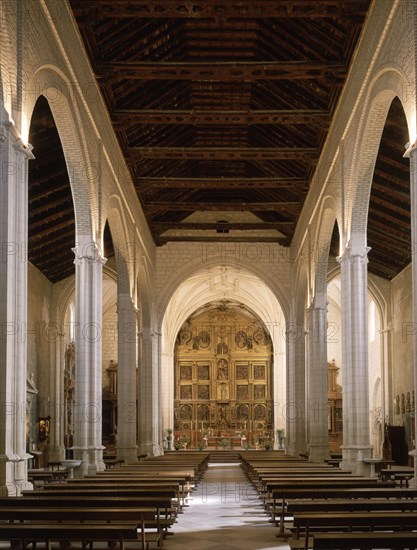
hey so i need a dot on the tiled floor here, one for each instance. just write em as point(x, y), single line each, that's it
point(224, 513)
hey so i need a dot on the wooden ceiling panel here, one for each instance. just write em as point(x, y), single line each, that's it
point(220, 106)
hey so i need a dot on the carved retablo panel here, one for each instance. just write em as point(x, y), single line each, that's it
point(223, 371)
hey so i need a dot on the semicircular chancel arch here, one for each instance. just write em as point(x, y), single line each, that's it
point(214, 284)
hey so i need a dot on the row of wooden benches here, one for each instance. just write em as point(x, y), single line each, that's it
point(332, 509)
point(131, 503)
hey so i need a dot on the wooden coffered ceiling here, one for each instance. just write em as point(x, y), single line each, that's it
point(221, 109)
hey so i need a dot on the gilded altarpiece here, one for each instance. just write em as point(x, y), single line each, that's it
point(223, 373)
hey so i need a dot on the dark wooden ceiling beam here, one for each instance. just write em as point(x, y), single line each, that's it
point(206, 117)
point(220, 183)
point(219, 10)
point(396, 179)
point(166, 206)
point(280, 240)
point(397, 243)
point(225, 153)
point(223, 71)
point(65, 238)
point(67, 213)
point(49, 205)
point(48, 191)
point(55, 260)
point(161, 227)
point(388, 220)
point(379, 200)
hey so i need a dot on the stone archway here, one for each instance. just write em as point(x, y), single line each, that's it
point(223, 366)
point(216, 284)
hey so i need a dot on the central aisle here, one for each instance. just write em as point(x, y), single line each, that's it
point(224, 513)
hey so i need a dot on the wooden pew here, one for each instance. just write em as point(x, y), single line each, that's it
point(165, 513)
point(370, 521)
point(351, 505)
point(402, 474)
point(111, 490)
point(79, 532)
point(183, 489)
point(274, 485)
point(365, 541)
point(282, 494)
point(142, 518)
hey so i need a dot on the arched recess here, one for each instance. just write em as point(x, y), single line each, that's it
point(384, 88)
point(124, 253)
point(193, 268)
point(222, 283)
point(63, 102)
point(322, 247)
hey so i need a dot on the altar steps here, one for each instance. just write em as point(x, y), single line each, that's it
point(224, 456)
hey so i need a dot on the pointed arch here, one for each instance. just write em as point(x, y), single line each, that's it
point(217, 283)
point(123, 247)
point(193, 268)
point(62, 100)
point(386, 85)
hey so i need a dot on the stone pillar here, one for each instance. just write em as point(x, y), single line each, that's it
point(412, 154)
point(57, 410)
point(355, 379)
point(167, 392)
point(294, 411)
point(149, 404)
point(88, 356)
point(14, 156)
point(127, 448)
point(317, 386)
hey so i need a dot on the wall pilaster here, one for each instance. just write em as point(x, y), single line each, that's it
point(14, 156)
point(150, 429)
point(317, 392)
point(294, 410)
point(127, 448)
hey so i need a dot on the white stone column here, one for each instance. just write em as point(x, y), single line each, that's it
point(149, 417)
point(14, 156)
point(167, 391)
point(412, 154)
point(127, 448)
point(355, 378)
point(88, 356)
point(317, 385)
point(57, 411)
point(294, 410)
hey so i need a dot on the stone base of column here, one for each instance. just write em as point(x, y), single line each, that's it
point(13, 475)
point(352, 456)
point(295, 449)
point(128, 454)
point(318, 453)
point(91, 461)
point(151, 449)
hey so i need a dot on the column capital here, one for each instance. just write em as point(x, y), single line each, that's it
point(88, 253)
point(349, 255)
point(17, 143)
point(125, 303)
point(313, 307)
point(149, 333)
point(410, 150)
